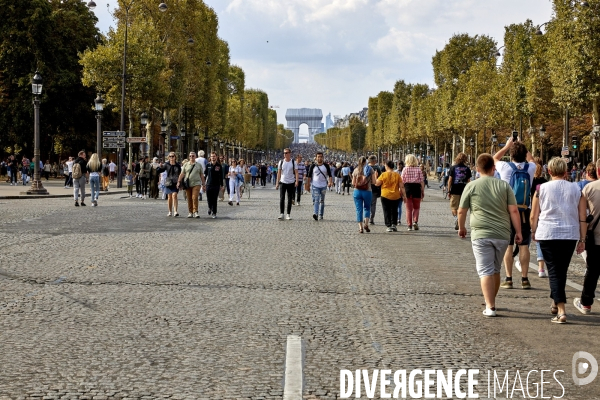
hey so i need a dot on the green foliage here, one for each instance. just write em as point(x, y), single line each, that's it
point(45, 35)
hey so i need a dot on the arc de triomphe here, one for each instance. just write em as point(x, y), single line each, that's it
point(309, 116)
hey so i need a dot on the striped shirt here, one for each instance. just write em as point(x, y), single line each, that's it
point(301, 171)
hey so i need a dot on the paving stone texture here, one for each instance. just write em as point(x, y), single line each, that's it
point(122, 302)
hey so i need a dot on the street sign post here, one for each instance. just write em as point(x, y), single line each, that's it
point(564, 153)
point(142, 139)
point(113, 139)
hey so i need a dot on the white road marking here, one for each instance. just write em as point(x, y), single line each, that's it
point(292, 389)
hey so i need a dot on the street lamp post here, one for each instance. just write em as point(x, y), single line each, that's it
point(494, 141)
point(542, 136)
point(143, 130)
point(163, 134)
point(99, 107)
point(36, 88)
point(182, 141)
point(92, 5)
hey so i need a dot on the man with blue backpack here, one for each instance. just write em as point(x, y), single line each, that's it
point(518, 173)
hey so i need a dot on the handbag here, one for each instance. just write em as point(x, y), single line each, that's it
point(589, 237)
point(185, 184)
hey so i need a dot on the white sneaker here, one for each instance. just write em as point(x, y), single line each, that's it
point(190, 215)
point(542, 273)
point(280, 216)
point(488, 312)
point(169, 214)
point(196, 215)
point(288, 217)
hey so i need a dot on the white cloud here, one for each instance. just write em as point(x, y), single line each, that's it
point(405, 45)
point(334, 54)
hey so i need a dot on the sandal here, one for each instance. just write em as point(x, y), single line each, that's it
point(360, 230)
point(560, 319)
point(367, 228)
point(553, 309)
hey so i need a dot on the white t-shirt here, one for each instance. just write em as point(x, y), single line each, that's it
point(287, 171)
point(505, 170)
point(559, 215)
point(319, 179)
point(112, 166)
point(70, 166)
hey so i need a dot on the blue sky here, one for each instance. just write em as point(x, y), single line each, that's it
point(334, 54)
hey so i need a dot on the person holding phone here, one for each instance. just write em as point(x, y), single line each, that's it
point(521, 163)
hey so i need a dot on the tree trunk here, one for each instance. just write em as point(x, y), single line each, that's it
point(532, 136)
point(596, 121)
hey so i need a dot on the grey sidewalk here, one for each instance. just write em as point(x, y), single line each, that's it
point(120, 301)
point(55, 187)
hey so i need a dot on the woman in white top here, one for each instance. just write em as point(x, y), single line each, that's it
point(558, 223)
point(234, 182)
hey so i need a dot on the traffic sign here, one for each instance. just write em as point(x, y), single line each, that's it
point(113, 145)
point(113, 133)
point(564, 153)
point(141, 139)
point(565, 148)
point(174, 137)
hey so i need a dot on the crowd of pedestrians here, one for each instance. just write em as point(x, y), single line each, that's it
point(508, 197)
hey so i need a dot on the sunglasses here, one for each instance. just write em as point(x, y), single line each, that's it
point(286, 152)
point(171, 156)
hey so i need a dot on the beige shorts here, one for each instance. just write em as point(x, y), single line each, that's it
point(454, 202)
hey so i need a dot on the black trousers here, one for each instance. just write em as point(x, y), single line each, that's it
point(298, 192)
point(227, 185)
point(592, 273)
point(13, 177)
point(212, 195)
point(138, 185)
point(390, 211)
point(283, 189)
point(263, 180)
point(346, 182)
point(144, 186)
point(557, 255)
point(254, 180)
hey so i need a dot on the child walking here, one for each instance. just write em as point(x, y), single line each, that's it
point(129, 182)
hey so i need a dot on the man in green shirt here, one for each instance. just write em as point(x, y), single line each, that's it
point(493, 206)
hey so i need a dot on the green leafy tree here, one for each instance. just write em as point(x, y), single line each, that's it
point(45, 35)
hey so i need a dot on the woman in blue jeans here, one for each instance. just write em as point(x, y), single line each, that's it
point(362, 179)
point(94, 167)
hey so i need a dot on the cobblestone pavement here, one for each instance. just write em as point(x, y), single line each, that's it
point(120, 301)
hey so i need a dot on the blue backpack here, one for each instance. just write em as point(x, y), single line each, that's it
point(521, 185)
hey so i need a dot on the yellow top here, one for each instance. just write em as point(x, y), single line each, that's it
point(390, 188)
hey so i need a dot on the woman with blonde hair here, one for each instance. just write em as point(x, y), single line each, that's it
point(362, 179)
point(94, 167)
point(415, 191)
point(558, 222)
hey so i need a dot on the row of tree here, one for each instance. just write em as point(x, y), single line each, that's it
point(178, 71)
point(542, 79)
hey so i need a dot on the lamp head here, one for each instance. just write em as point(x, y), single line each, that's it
point(36, 84)
point(99, 101)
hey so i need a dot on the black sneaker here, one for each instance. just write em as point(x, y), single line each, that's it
point(456, 225)
point(82, 204)
point(76, 204)
point(315, 217)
